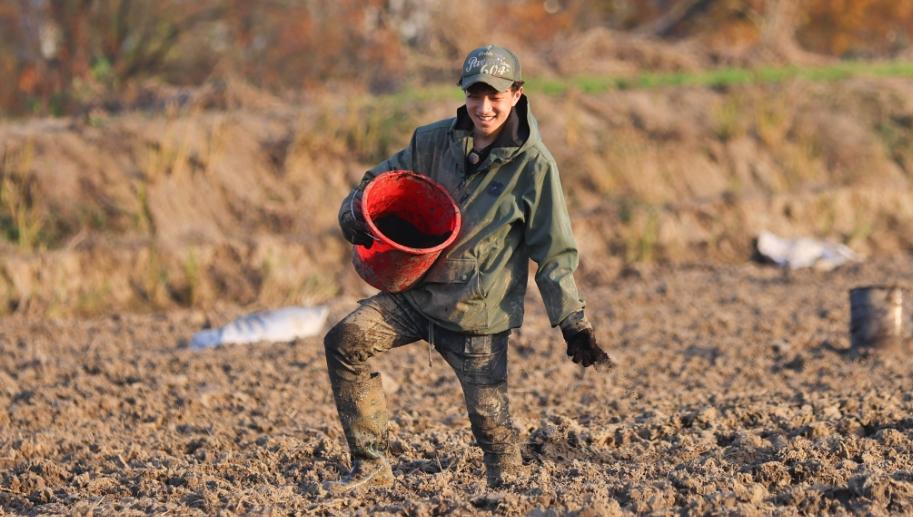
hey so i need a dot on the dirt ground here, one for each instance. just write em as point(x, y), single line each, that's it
point(735, 393)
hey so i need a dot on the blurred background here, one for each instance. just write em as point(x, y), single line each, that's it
point(62, 56)
point(166, 154)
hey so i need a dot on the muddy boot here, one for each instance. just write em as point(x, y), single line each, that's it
point(364, 474)
point(489, 416)
point(503, 469)
point(363, 414)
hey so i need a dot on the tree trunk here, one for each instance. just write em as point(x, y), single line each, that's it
point(781, 20)
point(778, 34)
point(678, 13)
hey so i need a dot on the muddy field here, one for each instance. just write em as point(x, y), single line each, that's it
point(735, 392)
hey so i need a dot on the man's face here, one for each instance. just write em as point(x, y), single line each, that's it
point(489, 108)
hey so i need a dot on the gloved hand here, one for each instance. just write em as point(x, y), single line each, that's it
point(582, 349)
point(581, 342)
point(352, 222)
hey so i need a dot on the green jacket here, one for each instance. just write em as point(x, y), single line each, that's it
point(513, 210)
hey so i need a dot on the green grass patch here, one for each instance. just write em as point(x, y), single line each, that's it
point(727, 77)
point(717, 78)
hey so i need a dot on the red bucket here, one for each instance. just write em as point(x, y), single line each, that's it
point(413, 219)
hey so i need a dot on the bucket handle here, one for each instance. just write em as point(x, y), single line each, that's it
point(355, 218)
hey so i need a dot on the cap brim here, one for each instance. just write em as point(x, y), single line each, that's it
point(498, 83)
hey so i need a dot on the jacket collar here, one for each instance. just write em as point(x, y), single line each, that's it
point(461, 138)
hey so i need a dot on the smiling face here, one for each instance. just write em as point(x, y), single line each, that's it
point(489, 109)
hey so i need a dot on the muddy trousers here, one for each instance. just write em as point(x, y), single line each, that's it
point(386, 321)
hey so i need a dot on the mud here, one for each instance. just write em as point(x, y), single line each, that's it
point(735, 392)
point(403, 232)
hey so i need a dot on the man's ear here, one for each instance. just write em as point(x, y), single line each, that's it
point(517, 94)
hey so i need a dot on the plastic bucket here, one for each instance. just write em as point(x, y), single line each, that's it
point(413, 219)
point(877, 317)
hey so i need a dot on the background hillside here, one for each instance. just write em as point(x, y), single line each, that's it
point(64, 56)
point(161, 154)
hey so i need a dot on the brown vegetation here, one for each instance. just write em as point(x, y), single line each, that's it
point(239, 206)
point(223, 186)
point(68, 56)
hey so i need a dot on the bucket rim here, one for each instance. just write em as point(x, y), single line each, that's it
point(458, 218)
point(878, 287)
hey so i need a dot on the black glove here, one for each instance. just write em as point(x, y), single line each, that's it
point(582, 349)
point(352, 222)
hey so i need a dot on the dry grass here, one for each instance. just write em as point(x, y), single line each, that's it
point(197, 207)
point(23, 219)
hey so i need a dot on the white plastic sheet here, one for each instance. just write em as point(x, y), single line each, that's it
point(280, 325)
point(804, 252)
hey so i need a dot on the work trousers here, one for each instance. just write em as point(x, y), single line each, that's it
point(387, 321)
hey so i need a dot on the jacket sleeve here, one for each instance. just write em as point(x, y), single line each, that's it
point(551, 245)
point(404, 159)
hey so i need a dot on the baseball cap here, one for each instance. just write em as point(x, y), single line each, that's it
point(492, 65)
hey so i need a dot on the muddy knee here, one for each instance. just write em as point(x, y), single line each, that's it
point(346, 348)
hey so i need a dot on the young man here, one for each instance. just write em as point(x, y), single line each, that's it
point(491, 159)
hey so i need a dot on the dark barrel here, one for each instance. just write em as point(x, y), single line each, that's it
point(877, 316)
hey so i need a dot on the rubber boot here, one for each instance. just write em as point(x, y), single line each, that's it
point(363, 414)
point(503, 469)
point(365, 474)
point(489, 415)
